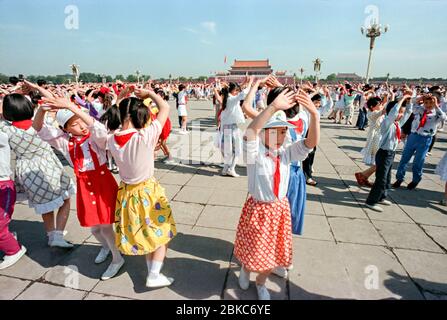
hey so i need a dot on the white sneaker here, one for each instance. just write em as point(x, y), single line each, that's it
point(60, 243)
point(102, 255)
point(112, 270)
point(263, 293)
point(386, 202)
point(280, 272)
point(374, 207)
point(244, 279)
point(10, 260)
point(159, 281)
point(233, 174)
point(224, 172)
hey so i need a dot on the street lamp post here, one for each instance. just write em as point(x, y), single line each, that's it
point(301, 72)
point(372, 32)
point(138, 76)
point(75, 71)
point(317, 68)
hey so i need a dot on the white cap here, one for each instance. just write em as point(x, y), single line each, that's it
point(63, 115)
point(278, 120)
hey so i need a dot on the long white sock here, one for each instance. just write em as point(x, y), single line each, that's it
point(155, 268)
point(96, 232)
point(109, 236)
point(149, 266)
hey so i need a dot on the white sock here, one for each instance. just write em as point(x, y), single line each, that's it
point(58, 235)
point(149, 266)
point(155, 268)
point(50, 235)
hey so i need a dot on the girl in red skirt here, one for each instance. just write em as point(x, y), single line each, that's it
point(264, 233)
point(83, 144)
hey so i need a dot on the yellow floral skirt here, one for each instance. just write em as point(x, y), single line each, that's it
point(143, 218)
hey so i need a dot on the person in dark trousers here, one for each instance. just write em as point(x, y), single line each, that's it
point(391, 135)
point(309, 162)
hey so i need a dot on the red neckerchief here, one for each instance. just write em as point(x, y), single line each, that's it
point(299, 124)
point(423, 120)
point(398, 133)
point(277, 174)
point(75, 150)
point(24, 124)
point(121, 140)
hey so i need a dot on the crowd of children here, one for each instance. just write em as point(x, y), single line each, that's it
point(117, 128)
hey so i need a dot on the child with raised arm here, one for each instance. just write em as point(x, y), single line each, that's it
point(143, 217)
point(82, 141)
point(264, 233)
point(390, 131)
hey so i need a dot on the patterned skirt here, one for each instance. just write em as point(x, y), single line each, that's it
point(143, 218)
point(264, 235)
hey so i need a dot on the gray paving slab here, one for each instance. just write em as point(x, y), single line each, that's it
point(355, 231)
point(406, 236)
point(11, 287)
point(43, 291)
point(427, 269)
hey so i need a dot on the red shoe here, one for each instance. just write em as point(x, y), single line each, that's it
point(360, 179)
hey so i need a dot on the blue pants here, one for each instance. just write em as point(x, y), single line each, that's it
point(362, 120)
point(384, 164)
point(418, 146)
point(296, 194)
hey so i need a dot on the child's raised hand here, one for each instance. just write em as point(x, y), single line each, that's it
point(143, 93)
point(57, 103)
point(272, 82)
point(285, 100)
point(304, 99)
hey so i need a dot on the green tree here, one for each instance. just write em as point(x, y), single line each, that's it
point(119, 77)
point(131, 78)
point(331, 77)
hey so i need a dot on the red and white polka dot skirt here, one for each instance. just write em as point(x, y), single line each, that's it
point(264, 235)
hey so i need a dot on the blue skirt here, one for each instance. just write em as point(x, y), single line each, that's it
point(297, 198)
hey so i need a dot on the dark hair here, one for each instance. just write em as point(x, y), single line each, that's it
point(17, 107)
point(181, 87)
point(111, 117)
point(14, 80)
point(390, 106)
point(316, 97)
point(226, 91)
point(372, 102)
point(88, 92)
point(41, 82)
point(273, 94)
point(348, 86)
point(134, 109)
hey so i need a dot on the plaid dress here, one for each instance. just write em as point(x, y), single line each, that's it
point(38, 171)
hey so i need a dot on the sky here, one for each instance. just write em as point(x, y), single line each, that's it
point(192, 37)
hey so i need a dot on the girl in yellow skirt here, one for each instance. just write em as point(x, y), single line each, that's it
point(144, 224)
point(264, 233)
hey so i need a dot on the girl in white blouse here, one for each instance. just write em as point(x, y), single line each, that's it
point(264, 234)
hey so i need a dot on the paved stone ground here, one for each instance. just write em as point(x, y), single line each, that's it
point(344, 245)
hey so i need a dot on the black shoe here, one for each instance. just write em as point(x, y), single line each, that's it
point(412, 185)
point(397, 184)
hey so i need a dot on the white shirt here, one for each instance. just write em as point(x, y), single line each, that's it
point(182, 97)
point(233, 112)
point(59, 140)
point(261, 168)
point(5, 158)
